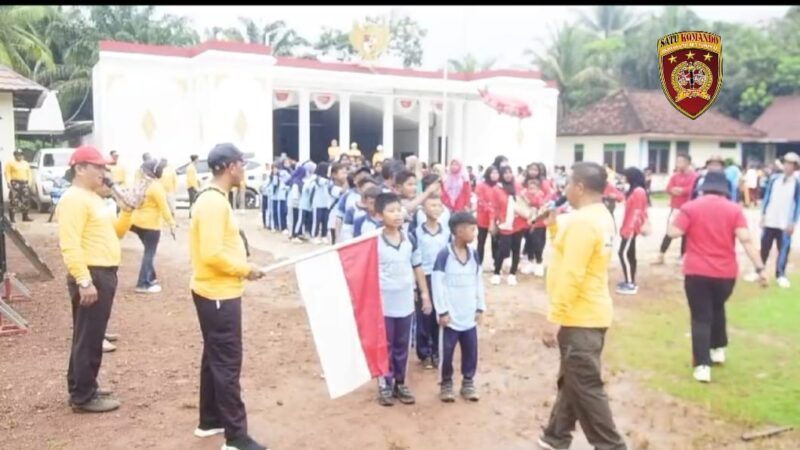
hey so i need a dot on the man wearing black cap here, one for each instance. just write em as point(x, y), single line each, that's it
point(219, 268)
point(714, 164)
point(18, 178)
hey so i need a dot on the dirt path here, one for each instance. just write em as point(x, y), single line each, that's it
point(155, 374)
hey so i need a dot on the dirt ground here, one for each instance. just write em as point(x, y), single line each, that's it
point(155, 372)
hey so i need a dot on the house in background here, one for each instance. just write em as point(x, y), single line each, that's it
point(18, 96)
point(642, 129)
point(781, 124)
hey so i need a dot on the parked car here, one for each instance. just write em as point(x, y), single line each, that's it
point(47, 167)
point(254, 172)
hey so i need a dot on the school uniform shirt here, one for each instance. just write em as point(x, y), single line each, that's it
point(293, 197)
point(685, 181)
point(635, 213)
point(18, 171)
point(710, 224)
point(419, 218)
point(88, 232)
point(321, 194)
point(504, 211)
point(169, 180)
point(154, 210)
point(457, 287)
point(265, 188)
point(365, 224)
point(485, 206)
point(577, 280)
point(304, 202)
point(781, 204)
point(278, 188)
point(396, 264)
point(349, 200)
point(118, 174)
point(218, 255)
point(191, 177)
point(430, 244)
point(336, 194)
point(349, 221)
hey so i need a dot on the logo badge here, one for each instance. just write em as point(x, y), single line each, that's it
point(690, 65)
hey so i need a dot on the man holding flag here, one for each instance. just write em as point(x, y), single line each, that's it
point(219, 268)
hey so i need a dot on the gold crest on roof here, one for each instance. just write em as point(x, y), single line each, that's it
point(370, 40)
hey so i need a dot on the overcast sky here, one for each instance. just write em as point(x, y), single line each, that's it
point(500, 32)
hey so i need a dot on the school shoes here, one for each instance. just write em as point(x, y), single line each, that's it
point(446, 393)
point(468, 391)
point(702, 374)
point(108, 347)
point(784, 282)
point(546, 445)
point(385, 397)
point(495, 280)
point(403, 393)
point(718, 355)
point(245, 443)
point(98, 404)
point(511, 280)
point(428, 363)
point(205, 430)
point(627, 289)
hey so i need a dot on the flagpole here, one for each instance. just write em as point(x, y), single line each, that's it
point(445, 152)
point(314, 254)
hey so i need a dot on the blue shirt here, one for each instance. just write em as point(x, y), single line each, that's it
point(419, 218)
point(349, 221)
point(396, 273)
point(430, 243)
point(336, 194)
point(349, 200)
point(365, 224)
point(305, 195)
point(457, 288)
point(321, 197)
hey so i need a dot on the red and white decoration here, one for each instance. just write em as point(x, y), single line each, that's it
point(284, 99)
point(341, 292)
point(323, 101)
point(505, 105)
point(437, 107)
point(405, 105)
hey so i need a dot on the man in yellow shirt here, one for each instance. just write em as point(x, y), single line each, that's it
point(378, 156)
point(334, 150)
point(192, 183)
point(88, 235)
point(118, 174)
point(219, 268)
point(169, 179)
point(580, 313)
point(18, 179)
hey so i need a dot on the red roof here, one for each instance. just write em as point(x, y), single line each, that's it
point(781, 120)
point(241, 47)
point(26, 93)
point(640, 112)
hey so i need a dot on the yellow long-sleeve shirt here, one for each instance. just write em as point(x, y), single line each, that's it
point(169, 180)
point(88, 232)
point(577, 280)
point(219, 259)
point(118, 174)
point(18, 171)
point(191, 177)
point(378, 157)
point(154, 210)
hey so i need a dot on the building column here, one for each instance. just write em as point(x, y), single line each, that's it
point(344, 121)
point(304, 126)
point(424, 152)
point(388, 126)
point(457, 149)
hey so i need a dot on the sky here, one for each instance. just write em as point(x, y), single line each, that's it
point(499, 32)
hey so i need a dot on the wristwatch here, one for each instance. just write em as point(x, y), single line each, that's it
point(84, 284)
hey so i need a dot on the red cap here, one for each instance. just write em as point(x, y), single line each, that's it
point(88, 154)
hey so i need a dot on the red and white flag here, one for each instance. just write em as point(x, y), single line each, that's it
point(340, 289)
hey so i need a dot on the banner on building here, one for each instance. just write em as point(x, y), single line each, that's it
point(406, 105)
point(323, 101)
point(284, 99)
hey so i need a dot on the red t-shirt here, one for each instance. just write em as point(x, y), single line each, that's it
point(484, 208)
point(683, 180)
point(536, 200)
point(635, 213)
point(500, 204)
point(710, 223)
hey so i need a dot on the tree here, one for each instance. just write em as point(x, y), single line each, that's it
point(223, 34)
point(277, 35)
point(607, 20)
point(335, 43)
point(140, 24)
point(406, 36)
point(469, 64)
point(20, 47)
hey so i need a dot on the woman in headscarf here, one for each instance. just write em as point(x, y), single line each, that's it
point(456, 191)
point(510, 224)
point(633, 224)
point(306, 209)
point(500, 161)
point(485, 210)
point(295, 189)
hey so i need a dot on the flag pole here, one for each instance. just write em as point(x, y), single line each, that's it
point(309, 255)
point(444, 153)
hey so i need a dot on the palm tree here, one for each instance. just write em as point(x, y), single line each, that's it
point(20, 47)
point(281, 39)
point(469, 64)
point(608, 20)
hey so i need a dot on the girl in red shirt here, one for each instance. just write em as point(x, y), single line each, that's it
point(536, 234)
point(632, 226)
point(510, 225)
point(485, 210)
point(455, 188)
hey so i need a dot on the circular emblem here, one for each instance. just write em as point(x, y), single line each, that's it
point(691, 79)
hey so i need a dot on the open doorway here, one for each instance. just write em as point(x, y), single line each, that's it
point(366, 123)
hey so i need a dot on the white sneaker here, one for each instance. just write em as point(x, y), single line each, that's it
point(108, 347)
point(718, 355)
point(526, 269)
point(538, 270)
point(495, 280)
point(285, 232)
point(511, 280)
point(702, 374)
point(154, 289)
point(751, 277)
point(784, 283)
point(204, 433)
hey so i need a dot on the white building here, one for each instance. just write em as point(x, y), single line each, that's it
point(642, 129)
point(178, 101)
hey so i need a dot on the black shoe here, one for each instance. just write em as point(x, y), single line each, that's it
point(245, 443)
point(385, 397)
point(205, 430)
point(403, 393)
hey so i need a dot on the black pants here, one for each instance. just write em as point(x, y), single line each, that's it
point(321, 222)
point(147, 270)
point(427, 328)
point(468, 341)
point(581, 397)
point(482, 234)
point(535, 240)
point(508, 244)
point(192, 198)
point(297, 224)
point(266, 219)
point(279, 214)
point(308, 222)
point(88, 331)
point(707, 297)
point(221, 365)
point(668, 240)
point(627, 256)
point(782, 241)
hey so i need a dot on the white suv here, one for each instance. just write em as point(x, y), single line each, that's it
point(48, 165)
point(254, 173)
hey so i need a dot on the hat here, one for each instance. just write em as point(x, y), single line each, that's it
point(792, 158)
point(88, 154)
point(716, 182)
point(222, 155)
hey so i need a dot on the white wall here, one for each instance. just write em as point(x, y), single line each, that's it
point(593, 148)
point(7, 139)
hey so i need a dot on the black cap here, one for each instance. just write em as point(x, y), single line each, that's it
point(222, 155)
point(716, 182)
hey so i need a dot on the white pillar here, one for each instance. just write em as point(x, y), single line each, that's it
point(424, 153)
point(270, 125)
point(344, 121)
point(457, 151)
point(304, 127)
point(388, 126)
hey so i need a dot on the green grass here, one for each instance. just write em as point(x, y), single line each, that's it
point(760, 384)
